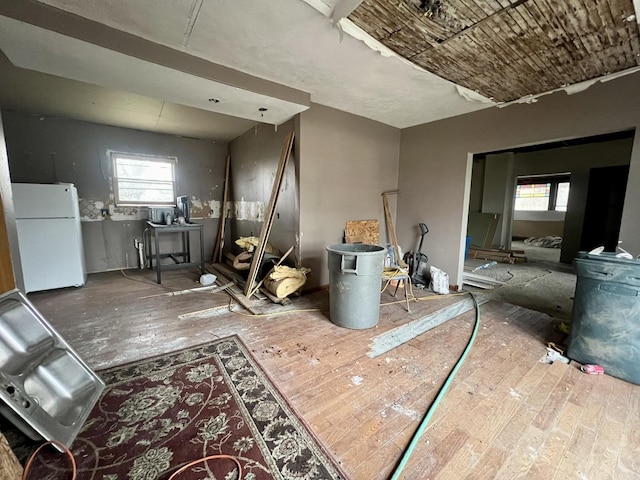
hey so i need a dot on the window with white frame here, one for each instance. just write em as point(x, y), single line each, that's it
point(542, 193)
point(140, 180)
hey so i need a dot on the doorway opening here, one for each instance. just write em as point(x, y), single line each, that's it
point(545, 203)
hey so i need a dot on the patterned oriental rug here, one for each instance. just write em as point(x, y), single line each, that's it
point(159, 414)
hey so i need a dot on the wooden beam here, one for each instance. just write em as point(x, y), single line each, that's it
point(400, 335)
point(268, 219)
point(237, 294)
point(217, 252)
point(392, 229)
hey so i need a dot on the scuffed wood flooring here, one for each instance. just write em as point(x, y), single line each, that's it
point(505, 416)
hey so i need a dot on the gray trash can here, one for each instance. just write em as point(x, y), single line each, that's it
point(355, 273)
point(605, 321)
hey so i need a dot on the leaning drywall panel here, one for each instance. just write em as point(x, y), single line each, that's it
point(631, 215)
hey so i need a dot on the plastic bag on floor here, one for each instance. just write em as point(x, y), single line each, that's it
point(439, 281)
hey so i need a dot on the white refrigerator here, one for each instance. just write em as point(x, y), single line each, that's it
point(49, 236)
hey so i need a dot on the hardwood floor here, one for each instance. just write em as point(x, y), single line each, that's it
point(506, 415)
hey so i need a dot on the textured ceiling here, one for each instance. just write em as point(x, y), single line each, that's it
point(506, 50)
point(502, 49)
point(49, 95)
point(293, 45)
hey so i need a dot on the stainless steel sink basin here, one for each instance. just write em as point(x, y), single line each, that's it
point(20, 342)
point(46, 390)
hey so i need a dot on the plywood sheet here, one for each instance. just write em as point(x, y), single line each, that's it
point(362, 231)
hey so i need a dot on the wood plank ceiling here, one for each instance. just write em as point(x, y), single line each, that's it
point(505, 49)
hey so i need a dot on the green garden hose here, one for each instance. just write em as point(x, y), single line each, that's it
point(436, 402)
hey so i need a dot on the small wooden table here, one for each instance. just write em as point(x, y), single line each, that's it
point(182, 259)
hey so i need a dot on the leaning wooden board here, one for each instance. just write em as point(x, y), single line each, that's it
point(217, 252)
point(392, 230)
point(258, 253)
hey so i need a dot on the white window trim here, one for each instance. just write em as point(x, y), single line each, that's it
point(156, 158)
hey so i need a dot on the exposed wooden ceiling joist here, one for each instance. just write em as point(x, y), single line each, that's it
point(508, 49)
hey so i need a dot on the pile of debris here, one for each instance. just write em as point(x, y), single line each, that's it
point(275, 281)
point(256, 271)
point(546, 242)
point(500, 256)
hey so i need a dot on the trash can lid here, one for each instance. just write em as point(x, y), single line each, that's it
point(356, 248)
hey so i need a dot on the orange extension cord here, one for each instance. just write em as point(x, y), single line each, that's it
point(211, 457)
point(27, 467)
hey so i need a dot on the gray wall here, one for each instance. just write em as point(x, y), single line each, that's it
point(346, 162)
point(49, 150)
point(436, 158)
point(578, 160)
point(499, 180)
point(502, 170)
point(254, 162)
point(477, 184)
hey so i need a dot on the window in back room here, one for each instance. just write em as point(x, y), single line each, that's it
point(542, 193)
point(140, 180)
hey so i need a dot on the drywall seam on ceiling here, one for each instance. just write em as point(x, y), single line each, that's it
point(347, 26)
point(36, 48)
point(575, 88)
point(294, 45)
point(193, 16)
point(98, 34)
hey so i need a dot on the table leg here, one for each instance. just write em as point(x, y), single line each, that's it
point(158, 266)
point(188, 245)
point(202, 251)
point(146, 239)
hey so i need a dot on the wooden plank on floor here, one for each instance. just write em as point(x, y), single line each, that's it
point(394, 338)
point(252, 305)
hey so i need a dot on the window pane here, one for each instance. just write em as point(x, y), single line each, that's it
point(562, 197)
point(131, 192)
point(144, 169)
point(143, 181)
point(533, 196)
